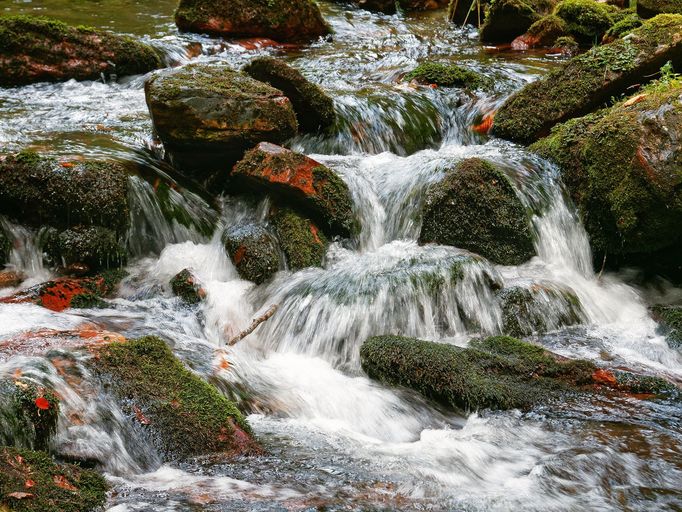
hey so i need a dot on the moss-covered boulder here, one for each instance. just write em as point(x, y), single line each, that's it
point(537, 309)
point(253, 250)
point(590, 80)
point(651, 8)
point(302, 243)
point(281, 20)
point(586, 20)
point(622, 27)
point(543, 32)
point(187, 286)
point(507, 19)
point(31, 481)
point(41, 191)
point(182, 415)
point(28, 414)
point(444, 75)
point(95, 247)
point(475, 207)
point(301, 182)
point(209, 115)
point(670, 319)
point(623, 169)
point(36, 49)
point(314, 108)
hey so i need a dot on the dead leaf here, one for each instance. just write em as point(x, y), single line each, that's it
point(140, 417)
point(20, 495)
point(61, 481)
point(29, 483)
point(635, 99)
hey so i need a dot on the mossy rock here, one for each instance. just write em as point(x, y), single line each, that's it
point(548, 29)
point(281, 20)
point(651, 8)
point(41, 191)
point(670, 318)
point(56, 487)
point(497, 373)
point(314, 108)
point(95, 247)
point(182, 415)
point(475, 207)
point(187, 286)
point(37, 49)
point(586, 20)
point(28, 414)
point(635, 209)
point(622, 27)
point(253, 250)
point(303, 244)
point(445, 75)
point(507, 19)
point(591, 80)
point(537, 309)
point(209, 115)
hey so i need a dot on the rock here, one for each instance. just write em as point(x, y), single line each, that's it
point(10, 278)
point(444, 75)
point(281, 20)
point(36, 49)
point(188, 287)
point(182, 415)
point(507, 19)
point(303, 244)
point(588, 81)
point(28, 414)
point(95, 247)
point(670, 318)
point(463, 12)
point(301, 182)
point(475, 207)
point(254, 252)
point(651, 8)
point(543, 32)
point(537, 309)
point(586, 20)
point(44, 191)
point(619, 29)
point(208, 116)
point(63, 487)
point(566, 46)
point(314, 108)
point(390, 6)
point(633, 211)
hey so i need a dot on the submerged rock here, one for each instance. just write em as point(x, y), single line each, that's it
point(507, 19)
point(281, 20)
point(476, 208)
point(590, 80)
point(253, 250)
point(44, 191)
point(183, 415)
point(36, 49)
point(444, 75)
point(314, 108)
point(28, 414)
point(301, 182)
point(622, 167)
point(651, 8)
point(187, 286)
point(303, 244)
point(208, 116)
point(94, 247)
point(55, 487)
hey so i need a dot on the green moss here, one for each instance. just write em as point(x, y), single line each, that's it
point(670, 318)
point(301, 241)
point(586, 20)
point(623, 27)
point(50, 492)
point(185, 415)
point(186, 286)
point(22, 422)
point(476, 208)
point(498, 373)
point(651, 8)
point(94, 246)
point(548, 29)
point(445, 75)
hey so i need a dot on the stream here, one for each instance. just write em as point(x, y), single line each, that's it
point(334, 439)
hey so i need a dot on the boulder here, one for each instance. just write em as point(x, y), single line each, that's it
point(253, 250)
point(590, 80)
point(182, 415)
point(670, 320)
point(507, 19)
point(475, 207)
point(623, 169)
point(301, 182)
point(302, 242)
point(651, 8)
point(63, 487)
point(281, 20)
point(208, 116)
point(622, 27)
point(45, 191)
point(543, 32)
point(188, 287)
point(91, 248)
point(314, 108)
point(496, 373)
point(36, 49)
point(586, 20)
point(444, 75)
point(28, 414)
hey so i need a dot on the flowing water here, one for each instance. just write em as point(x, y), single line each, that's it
point(334, 439)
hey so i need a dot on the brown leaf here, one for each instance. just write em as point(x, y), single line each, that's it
point(20, 495)
point(140, 417)
point(634, 99)
point(61, 481)
point(29, 483)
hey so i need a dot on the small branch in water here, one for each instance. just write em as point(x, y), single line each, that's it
point(603, 265)
point(254, 323)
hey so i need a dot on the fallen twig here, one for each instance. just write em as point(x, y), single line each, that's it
point(254, 323)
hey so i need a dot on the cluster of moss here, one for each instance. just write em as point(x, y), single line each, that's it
point(445, 75)
point(300, 240)
point(586, 20)
point(185, 416)
point(185, 285)
point(42, 49)
point(622, 27)
point(55, 487)
point(22, 422)
point(253, 250)
point(476, 208)
point(590, 80)
point(314, 108)
point(670, 318)
point(651, 8)
point(95, 246)
point(548, 29)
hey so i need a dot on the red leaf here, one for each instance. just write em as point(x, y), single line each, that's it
point(140, 417)
point(61, 481)
point(29, 483)
point(42, 403)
